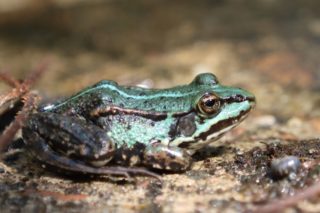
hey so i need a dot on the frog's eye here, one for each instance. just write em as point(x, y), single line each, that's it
point(209, 104)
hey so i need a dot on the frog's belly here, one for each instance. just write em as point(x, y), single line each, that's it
point(128, 130)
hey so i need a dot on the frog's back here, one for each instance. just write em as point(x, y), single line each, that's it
point(175, 99)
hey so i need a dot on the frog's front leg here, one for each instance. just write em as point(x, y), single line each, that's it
point(73, 144)
point(162, 157)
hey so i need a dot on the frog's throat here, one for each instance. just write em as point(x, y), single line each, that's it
point(215, 132)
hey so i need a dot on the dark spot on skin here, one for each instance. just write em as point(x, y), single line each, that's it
point(184, 145)
point(171, 156)
point(173, 129)
point(123, 154)
point(186, 125)
point(129, 126)
point(201, 120)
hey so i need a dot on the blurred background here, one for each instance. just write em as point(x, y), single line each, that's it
point(269, 47)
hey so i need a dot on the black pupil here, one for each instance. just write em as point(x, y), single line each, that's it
point(210, 103)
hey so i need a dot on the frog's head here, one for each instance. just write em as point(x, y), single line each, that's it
point(215, 110)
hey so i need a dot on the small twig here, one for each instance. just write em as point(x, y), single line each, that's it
point(8, 79)
point(290, 201)
point(8, 135)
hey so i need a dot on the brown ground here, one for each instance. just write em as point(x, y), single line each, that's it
point(271, 48)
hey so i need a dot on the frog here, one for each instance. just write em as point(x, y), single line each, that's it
point(110, 129)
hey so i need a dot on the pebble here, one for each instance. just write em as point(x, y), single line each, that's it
point(283, 167)
point(265, 121)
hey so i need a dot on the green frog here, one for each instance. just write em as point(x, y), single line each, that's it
point(121, 130)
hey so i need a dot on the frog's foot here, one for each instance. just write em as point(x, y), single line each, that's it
point(158, 156)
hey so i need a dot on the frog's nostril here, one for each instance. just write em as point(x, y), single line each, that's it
point(239, 98)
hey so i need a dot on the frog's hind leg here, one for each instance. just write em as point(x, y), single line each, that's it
point(158, 156)
point(47, 155)
point(72, 145)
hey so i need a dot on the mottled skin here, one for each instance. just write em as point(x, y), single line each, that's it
point(108, 124)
